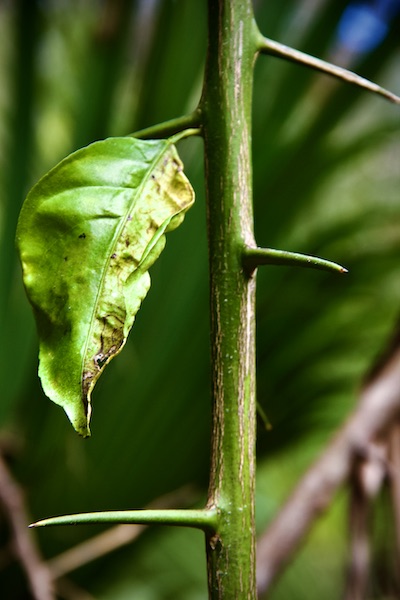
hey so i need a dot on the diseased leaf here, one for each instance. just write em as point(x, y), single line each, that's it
point(87, 234)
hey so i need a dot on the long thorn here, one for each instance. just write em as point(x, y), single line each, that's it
point(205, 519)
point(267, 46)
point(255, 257)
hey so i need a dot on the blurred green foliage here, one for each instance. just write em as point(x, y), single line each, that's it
point(326, 182)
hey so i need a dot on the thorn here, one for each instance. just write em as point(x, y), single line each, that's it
point(255, 257)
point(273, 48)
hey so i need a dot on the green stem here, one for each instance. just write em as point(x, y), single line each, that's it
point(255, 257)
point(226, 106)
point(205, 519)
point(171, 127)
point(267, 46)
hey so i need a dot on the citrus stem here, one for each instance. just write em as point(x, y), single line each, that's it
point(226, 107)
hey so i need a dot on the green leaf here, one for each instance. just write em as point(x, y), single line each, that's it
point(87, 234)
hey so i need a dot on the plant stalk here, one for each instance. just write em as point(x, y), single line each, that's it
point(226, 109)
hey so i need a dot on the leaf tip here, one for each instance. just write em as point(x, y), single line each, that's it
point(80, 421)
point(83, 429)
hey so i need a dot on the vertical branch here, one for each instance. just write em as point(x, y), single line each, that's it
point(226, 107)
point(37, 573)
point(366, 481)
point(394, 484)
point(360, 552)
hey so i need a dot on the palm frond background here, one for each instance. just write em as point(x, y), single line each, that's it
point(326, 181)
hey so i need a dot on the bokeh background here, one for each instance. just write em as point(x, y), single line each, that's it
point(326, 182)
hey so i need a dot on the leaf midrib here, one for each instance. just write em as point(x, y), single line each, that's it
point(138, 192)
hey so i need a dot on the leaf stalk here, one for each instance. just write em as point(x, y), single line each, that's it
point(192, 122)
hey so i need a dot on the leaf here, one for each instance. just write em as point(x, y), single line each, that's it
point(87, 234)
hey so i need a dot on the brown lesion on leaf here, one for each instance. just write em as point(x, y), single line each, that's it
point(87, 379)
point(110, 336)
point(110, 341)
point(157, 183)
point(102, 357)
point(82, 236)
point(153, 226)
point(177, 165)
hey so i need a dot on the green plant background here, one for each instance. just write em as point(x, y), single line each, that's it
point(326, 182)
